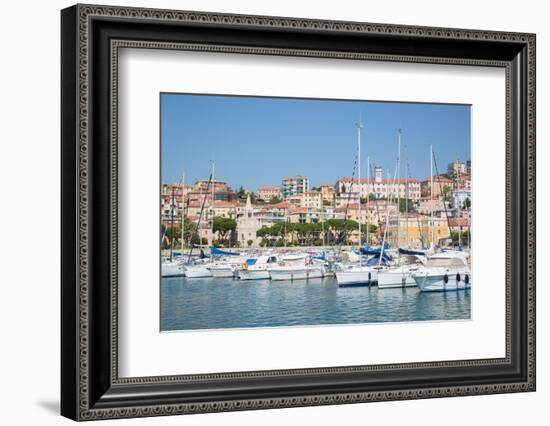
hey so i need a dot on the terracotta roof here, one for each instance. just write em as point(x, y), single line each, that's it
point(462, 221)
point(281, 205)
point(383, 180)
point(299, 210)
point(225, 204)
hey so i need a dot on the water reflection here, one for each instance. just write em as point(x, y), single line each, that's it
point(226, 303)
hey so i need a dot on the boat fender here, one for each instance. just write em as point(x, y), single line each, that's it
point(466, 279)
point(369, 276)
point(445, 278)
point(458, 277)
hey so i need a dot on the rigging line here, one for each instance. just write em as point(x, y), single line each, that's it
point(375, 202)
point(200, 217)
point(441, 192)
point(342, 233)
point(388, 200)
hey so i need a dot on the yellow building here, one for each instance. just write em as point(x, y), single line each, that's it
point(415, 230)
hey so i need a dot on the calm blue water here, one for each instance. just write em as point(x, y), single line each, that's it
point(210, 303)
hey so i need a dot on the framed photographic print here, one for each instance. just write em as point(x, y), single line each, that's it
point(263, 212)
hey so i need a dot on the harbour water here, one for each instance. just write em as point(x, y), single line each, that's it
point(221, 303)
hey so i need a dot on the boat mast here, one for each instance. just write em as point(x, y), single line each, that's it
point(407, 183)
point(182, 209)
point(368, 197)
point(359, 127)
point(431, 196)
point(388, 200)
point(213, 193)
point(172, 227)
point(398, 182)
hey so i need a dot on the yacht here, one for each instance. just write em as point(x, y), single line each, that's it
point(445, 271)
point(256, 268)
point(297, 267)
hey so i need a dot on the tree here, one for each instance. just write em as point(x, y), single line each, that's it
point(250, 242)
point(275, 200)
point(447, 192)
point(406, 204)
point(241, 193)
point(341, 228)
point(225, 227)
point(464, 237)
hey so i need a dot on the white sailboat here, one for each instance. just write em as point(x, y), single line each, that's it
point(200, 270)
point(401, 275)
point(357, 275)
point(171, 266)
point(354, 273)
point(227, 265)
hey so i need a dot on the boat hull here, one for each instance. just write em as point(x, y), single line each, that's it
point(222, 272)
point(438, 283)
point(356, 277)
point(172, 269)
point(296, 273)
point(197, 272)
point(258, 274)
point(395, 279)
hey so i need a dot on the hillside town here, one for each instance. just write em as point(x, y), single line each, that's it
point(293, 212)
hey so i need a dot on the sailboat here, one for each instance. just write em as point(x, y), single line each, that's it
point(400, 273)
point(172, 267)
point(227, 265)
point(200, 269)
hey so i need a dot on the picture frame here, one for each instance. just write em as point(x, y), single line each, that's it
point(90, 385)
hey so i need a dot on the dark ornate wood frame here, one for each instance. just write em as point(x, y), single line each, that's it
point(91, 37)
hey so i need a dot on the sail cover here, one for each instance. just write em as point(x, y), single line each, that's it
point(375, 260)
point(214, 250)
point(412, 252)
point(374, 250)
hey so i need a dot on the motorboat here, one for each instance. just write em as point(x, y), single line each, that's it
point(297, 267)
point(256, 268)
point(445, 271)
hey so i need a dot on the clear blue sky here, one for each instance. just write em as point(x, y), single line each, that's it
point(258, 141)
